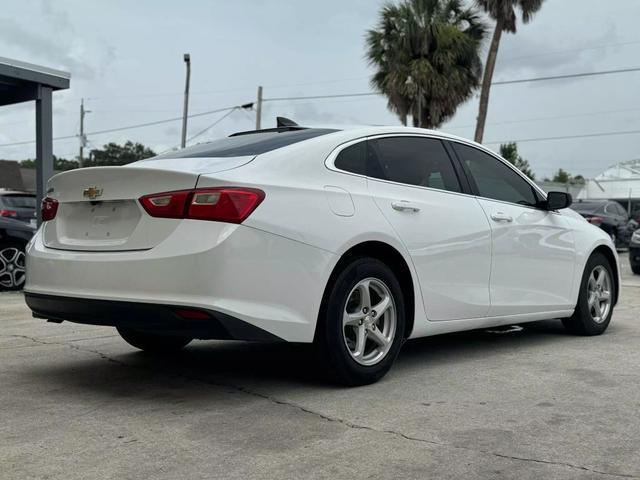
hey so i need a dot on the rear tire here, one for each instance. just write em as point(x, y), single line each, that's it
point(635, 268)
point(595, 302)
point(153, 343)
point(361, 325)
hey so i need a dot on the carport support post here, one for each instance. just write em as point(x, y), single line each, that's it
point(44, 143)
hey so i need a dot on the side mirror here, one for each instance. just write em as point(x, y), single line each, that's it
point(558, 200)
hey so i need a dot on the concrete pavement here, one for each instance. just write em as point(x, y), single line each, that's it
point(76, 402)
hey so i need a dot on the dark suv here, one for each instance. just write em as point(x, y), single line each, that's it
point(18, 206)
point(610, 216)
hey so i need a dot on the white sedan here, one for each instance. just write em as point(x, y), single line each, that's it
point(354, 240)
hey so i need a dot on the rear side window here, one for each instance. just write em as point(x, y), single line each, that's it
point(494, 179)
point(620, 209)
point(248, 144)
point(352, 159)
point(413, 161)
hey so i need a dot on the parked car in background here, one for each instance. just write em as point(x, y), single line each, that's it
point(317, 235)
point(634, 252)
point(18, 205)
point(610, 216)
point(14, 236)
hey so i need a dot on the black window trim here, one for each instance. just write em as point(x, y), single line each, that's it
point(460, 174)
point(474, 188)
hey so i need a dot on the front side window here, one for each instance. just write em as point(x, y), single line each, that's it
point(494, 179)
point(412, 160)
point(621, 211)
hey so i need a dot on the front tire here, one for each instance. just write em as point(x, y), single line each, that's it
point(361, 325)
point(595, 303)
point(12, 266)
point(153, 343)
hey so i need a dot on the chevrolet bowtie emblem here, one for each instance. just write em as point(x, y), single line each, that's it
point(92, 192)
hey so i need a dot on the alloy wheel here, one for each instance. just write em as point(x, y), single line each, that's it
point(369, 321)
point(599, 294)
point(12, 267)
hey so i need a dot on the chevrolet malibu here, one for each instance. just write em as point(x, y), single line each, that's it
point(353, 240)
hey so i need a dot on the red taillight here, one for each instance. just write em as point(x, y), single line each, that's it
point(222, 204)
point(49, 209)
point(231, 205)
point(595, 220)
point(8, 213)
point(190, 314)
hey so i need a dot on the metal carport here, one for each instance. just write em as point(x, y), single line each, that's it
point(24, 82)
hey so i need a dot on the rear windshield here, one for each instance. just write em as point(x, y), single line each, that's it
point(247, 144)
point(18, 201)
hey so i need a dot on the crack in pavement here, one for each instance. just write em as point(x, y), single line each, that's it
point(346, 423)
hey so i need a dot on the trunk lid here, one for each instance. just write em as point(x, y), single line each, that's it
point(98, 207)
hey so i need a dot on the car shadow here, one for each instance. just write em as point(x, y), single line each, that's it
point(231, 366)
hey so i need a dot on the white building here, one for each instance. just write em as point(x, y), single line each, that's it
point(618, 182)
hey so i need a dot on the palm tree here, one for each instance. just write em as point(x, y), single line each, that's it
point(504, 13)
point(426, 57)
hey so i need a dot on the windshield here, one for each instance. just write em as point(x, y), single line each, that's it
point(586, 207)
point(18, 201)
point(248, 144)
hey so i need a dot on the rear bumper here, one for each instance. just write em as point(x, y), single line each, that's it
point(265, 280)
point(161, 319)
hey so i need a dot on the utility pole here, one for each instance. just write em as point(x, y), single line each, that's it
point(259, 109)
point(185, 110)
point(82, 137)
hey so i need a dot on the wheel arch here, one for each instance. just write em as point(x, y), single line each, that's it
point(613, 261)
point(391, 257)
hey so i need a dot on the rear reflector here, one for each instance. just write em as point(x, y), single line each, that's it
point(223, 204)
point(189, 314)
point(8, 213)
point(49, 209)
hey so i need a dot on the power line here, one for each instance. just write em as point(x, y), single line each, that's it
point(128, 127)
point(572, 75)
point(503, 82)
point(566, 137)
point(213, 124)
point(559, 52)
point(317, 97)
point(553, 117)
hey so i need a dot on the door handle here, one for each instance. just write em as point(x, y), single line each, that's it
point(501, 217)
point(405, 206)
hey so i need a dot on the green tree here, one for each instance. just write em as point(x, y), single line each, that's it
point(59, 164)
point(561, 176)
point(504, 14)
point(425, 53)
point(509, 151)
point(114, 154)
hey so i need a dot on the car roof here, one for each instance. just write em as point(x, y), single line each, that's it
point(371, 130)
point(15, 192)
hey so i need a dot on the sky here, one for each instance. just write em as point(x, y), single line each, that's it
point(126, 61)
